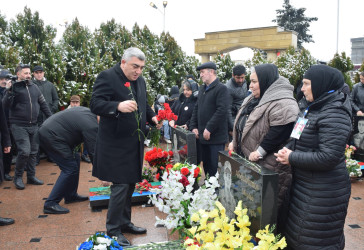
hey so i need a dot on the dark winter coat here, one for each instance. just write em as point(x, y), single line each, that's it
point(50, 95)
point(4, 139)
point(357, 97)
point(211, 113)
point(119, 152)
point(321, 185)
point(183, 108)
point(24, 101)
point(65, 130)
point(6, 111)
point(237, 95)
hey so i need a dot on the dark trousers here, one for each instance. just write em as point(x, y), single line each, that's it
point(209, 155)
point(7, 158)
point(119, 212)
point(67, 182)
point(26, 139)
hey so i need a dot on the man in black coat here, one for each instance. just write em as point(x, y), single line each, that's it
point(48, 90)
point(7, 157)
point(59, 135)
point(119, 97)
point(6, 146)
point(24, 100)
point(209, 119)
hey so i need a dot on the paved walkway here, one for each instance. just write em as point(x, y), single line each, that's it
point(35, 230)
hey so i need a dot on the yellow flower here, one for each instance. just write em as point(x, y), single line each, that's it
point(282, 243)
point(195, 217)
point(214, 213)
point(220, 207)
point(192, 230)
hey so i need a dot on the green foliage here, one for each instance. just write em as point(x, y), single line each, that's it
point(293, 64)
point(224, 66)
point(259, 57)
point(357, 74)
point(344, 64)
point(74, 62)
point(294, 19)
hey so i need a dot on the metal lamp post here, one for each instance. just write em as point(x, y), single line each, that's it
point(163, 13)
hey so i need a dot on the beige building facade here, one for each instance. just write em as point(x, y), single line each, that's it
point(270, 39)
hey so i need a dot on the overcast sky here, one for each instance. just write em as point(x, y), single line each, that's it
point(187, 20)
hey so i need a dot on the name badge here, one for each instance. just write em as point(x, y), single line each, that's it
point(298, 128)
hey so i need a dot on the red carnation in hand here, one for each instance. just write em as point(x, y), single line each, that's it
point(230, 152)
point(127, 84)
point(185, 171)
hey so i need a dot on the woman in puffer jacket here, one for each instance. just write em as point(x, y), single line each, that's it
point(321, 187)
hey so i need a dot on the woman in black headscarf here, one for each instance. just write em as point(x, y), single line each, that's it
point(265, 121)
point(321, 186)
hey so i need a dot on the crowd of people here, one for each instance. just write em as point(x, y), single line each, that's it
point(303, 141)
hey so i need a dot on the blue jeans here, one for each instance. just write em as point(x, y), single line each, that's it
point(166, 130)
point(67, 183)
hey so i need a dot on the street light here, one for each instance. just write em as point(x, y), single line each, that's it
point(163, 13)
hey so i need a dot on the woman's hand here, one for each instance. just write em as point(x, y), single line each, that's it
point(171, 123)
point(283, 156)
point(231, 146)
point(255, 156)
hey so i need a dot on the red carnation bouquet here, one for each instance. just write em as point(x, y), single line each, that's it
point(143, 186)
point(159, 159)
point(186, 170)
point(166, 114)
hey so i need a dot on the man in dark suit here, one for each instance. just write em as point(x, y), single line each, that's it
point(209, 120)
point(59, 135)
point(119, 96)
point(6, 146)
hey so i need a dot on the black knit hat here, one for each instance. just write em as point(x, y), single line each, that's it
point(38, 68)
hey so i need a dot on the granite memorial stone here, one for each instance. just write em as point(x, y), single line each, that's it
point(254, 185)
point(183, 145)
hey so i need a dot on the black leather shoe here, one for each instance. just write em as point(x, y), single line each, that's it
point(19, 184)
point(34, 181)
point(7, 177)
point(132, 229)
point(85, 158)
point(56, 209)
point(6, 221)
point(122, 241)
point(78, 198)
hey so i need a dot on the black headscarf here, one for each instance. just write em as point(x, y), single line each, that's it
point(267, 74)
point(323, 79)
